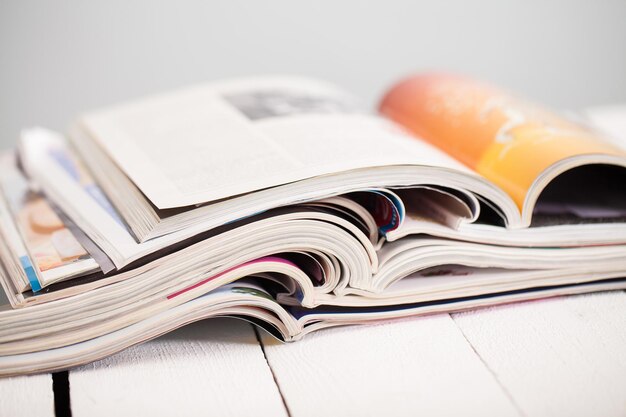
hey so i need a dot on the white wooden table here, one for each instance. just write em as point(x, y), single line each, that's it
point(564, 356)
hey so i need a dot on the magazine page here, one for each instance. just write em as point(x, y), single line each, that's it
point(47, 249)
point(503, 138)
point(219, 140)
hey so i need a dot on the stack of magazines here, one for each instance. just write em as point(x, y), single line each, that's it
point(282, 201)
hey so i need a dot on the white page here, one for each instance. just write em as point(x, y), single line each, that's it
point(222, 139)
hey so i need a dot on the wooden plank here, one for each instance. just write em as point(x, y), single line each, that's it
point(213, 367)
point(417, 366)
point(27, 396)
point(564, 356)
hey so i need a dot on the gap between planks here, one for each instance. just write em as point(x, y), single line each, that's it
point(561, 356)
point(549, 357)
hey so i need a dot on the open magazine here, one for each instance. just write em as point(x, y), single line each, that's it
point(281, 201)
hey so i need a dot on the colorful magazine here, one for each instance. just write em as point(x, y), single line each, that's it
point(282, 201)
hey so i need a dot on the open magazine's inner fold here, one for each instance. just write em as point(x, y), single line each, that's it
point(586, 194)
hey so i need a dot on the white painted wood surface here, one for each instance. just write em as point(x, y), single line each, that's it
point(418, 366)
point(27, 396)
point(563, 356)
point(214, 367)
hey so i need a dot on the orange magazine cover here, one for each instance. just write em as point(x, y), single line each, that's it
point(505, 139)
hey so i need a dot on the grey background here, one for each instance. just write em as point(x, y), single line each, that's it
point(58, 58)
